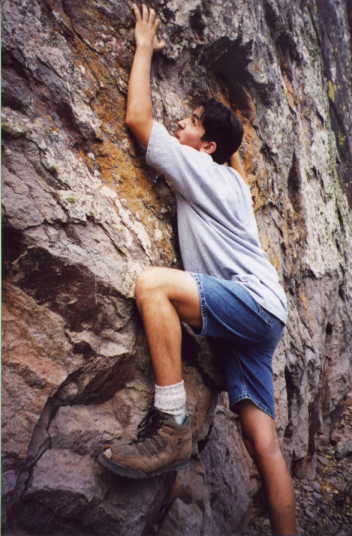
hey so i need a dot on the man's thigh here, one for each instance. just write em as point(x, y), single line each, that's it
point(179, 287)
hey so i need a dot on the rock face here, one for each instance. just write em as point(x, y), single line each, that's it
point(83, 216)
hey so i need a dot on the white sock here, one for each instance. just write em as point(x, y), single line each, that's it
point(171, 399)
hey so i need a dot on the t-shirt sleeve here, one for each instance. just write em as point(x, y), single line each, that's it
point(188, 171)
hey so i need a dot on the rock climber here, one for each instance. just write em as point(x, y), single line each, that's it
point(229, 291)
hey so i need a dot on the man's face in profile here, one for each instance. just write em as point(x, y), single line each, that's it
point(190, 129)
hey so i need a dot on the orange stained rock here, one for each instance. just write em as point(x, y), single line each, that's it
point(249, 153)
point(255, 168)
point(118, 169)
point(110, 107)
point(37, 358)
point(267, 245)
point(290, 92)
point(254, 165)
point(93, 61)
point(304, 300)
point(107, 102)
point(306, 311)
point(22, 344)
point(122, 173)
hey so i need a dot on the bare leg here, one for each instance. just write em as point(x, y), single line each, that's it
point(166, 296)
point(262, 442)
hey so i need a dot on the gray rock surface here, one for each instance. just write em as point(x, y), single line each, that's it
point(83, 216)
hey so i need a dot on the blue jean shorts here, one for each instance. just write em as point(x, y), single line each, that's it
point(244, 336)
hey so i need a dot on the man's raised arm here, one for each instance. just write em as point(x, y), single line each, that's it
point(139, 115)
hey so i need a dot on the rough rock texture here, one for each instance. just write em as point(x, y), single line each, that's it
point(83, 215)
point(325, 503)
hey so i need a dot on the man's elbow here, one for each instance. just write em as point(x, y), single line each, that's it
point(133, 119)
point(140, 127)
point(129, 120)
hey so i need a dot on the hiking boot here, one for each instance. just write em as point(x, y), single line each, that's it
point(162, 445)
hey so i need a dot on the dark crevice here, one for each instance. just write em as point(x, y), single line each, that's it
point(16, 89)
point(157, 515)
point(287, 52)
point(290, 390)
point(329, 329)
point(14, 246)
point(67, 117)
point(27, 147)
point(10, 61)
point(84, 349)
point(294, 185)
point(39, 444)
point(197, 23)
point(81, 135)
point(193, 352)
point(314, 413)
point(66, 31)
point(337, 72)
point(68, 12)
point(274, 19)
point(341, 221)
point(36, 516)
point(229, 61)
point(269, 155)
point(106, 377)
point(71, 290)
point(203, 442)
point(282, 37)
point(15, 93)
point(342, 291)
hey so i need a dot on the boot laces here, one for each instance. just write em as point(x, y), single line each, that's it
point(151, 423)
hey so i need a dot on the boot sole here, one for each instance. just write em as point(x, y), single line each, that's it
point(137, 474)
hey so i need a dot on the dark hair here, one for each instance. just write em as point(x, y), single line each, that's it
point(222, 126)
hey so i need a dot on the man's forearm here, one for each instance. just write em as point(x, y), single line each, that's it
point(139, 100)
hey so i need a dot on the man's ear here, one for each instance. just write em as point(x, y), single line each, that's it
point(209, 147)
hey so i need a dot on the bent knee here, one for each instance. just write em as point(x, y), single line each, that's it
point(263, 445)
point(148, 281)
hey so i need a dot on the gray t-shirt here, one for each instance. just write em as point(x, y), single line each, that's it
point(217, 229)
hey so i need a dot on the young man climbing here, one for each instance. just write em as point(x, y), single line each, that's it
point(229, 292)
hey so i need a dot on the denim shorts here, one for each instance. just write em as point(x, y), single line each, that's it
point(243, 336)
